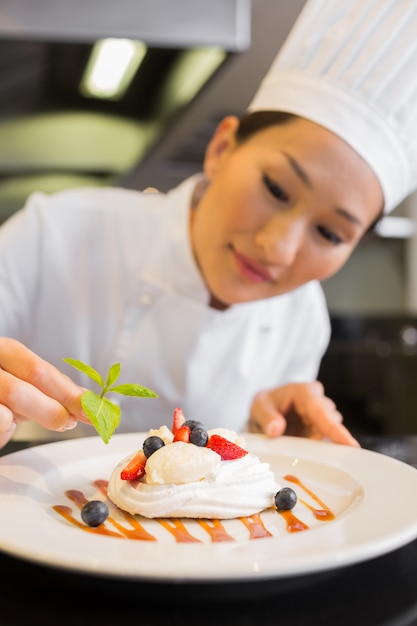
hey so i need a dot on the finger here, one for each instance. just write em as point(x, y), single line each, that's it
point(320, 413)
point(265, 417)
point(26, 366)
point(326, 421)
point(5, 438)
point(7, 425)
point(6, 419)
point(338, 433)
point(25, 400)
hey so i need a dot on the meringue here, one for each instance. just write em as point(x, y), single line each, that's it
point(184, 480)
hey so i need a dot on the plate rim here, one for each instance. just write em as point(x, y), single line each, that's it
point(346, 458)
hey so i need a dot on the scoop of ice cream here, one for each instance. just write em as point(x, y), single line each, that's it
point(179, 463)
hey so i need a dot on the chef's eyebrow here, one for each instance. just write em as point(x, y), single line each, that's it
point(298, 169)
point(348, 215)
point(302, 174)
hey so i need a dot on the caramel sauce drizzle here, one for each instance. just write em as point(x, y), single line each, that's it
point(255, 526)
point(137, 531)
point(66, 512)
point(294, 524)
point(215, 529)
point(176, 527)
point(324, 514)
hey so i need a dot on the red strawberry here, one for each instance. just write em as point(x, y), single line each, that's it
point(183, 434)
point(177, 420)
point(227, 449)
point(135, 467)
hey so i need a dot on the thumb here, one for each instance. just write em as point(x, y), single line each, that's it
point(265, 416)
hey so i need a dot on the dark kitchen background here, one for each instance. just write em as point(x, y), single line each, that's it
point(200, 61)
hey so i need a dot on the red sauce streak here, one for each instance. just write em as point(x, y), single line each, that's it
point(77, 497)
point(215, 529)
point(178, 530)
point(255, 526)
point(102, 486)
point(324, 514)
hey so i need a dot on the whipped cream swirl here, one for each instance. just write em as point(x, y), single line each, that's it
point(205, 487)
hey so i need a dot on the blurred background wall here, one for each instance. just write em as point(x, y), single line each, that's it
point(203, 61)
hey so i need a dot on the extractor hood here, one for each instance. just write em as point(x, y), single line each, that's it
point(52, 136)
point(159, 23)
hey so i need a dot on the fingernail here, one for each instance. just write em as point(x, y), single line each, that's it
point(12, 427)
point(273, 428)
point(69, 424)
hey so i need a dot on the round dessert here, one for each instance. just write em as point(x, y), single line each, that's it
point(215, 478)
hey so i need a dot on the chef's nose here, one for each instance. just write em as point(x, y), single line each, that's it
point(281, 238)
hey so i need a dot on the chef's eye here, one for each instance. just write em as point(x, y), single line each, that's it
point(329, 235)
point(275, 189)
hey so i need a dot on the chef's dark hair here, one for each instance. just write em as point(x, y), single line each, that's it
point(252, 123)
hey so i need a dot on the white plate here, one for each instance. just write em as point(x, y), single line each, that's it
point(371, 495)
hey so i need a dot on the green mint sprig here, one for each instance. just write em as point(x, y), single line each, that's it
point(104, 414)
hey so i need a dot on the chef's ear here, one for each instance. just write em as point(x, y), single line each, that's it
point(221, 142)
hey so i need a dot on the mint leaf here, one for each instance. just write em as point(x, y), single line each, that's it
point(105, 415)
point(113, 375)
point(86, 369)
point(133, 390)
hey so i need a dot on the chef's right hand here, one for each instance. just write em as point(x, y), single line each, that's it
point(33, 389)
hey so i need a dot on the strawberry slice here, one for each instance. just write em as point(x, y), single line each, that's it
point(177, 420)
point(225, 448)
point(135, 467)
point(183, 434)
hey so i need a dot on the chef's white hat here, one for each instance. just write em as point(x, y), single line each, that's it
point(351, 66)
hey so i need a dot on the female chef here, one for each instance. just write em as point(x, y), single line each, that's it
point(210, 294)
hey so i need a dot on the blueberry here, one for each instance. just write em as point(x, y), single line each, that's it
point(199, 436)
point(152, 444)
point(285, 499)
point(94, 512)
point(193, 424)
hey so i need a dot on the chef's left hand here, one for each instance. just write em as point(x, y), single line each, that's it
point(299, 409)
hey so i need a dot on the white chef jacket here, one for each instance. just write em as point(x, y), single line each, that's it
point(107, 275)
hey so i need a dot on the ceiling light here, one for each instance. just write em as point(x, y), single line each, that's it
point(193, 70)
point(111, 67)
point(199, 65)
